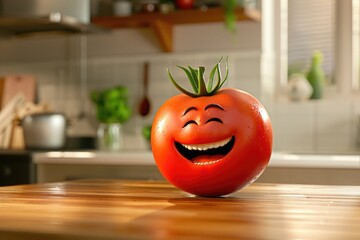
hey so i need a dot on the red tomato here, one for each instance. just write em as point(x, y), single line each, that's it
point(212, 145)
point(185, 4)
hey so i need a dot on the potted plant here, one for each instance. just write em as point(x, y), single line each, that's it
point(112, 110)
point(230, 17)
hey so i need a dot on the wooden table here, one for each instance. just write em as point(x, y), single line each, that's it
point(117, 209)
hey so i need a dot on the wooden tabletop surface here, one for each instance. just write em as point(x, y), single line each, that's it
point(117, 209)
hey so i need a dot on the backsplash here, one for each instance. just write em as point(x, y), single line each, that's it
point(325, 125)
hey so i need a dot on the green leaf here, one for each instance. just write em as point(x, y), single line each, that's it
point(230, 17)
point(181, 89)
point(217, 86)
point(226, 73)
point(112, 105)
point(190, 77)
point(194, 74)
point(211, 79)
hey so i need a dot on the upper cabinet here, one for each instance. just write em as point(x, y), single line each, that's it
point(162, 24)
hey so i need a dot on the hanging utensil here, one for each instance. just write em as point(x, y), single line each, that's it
point(145, 106)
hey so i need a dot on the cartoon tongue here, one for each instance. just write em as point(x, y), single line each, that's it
point(206, 158)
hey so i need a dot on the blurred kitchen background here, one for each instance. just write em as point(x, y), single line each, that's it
point(273, 40)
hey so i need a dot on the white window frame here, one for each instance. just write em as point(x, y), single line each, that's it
point(355, 44)
point(345, 69)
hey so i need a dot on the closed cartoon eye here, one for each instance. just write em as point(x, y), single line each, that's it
point(189, 122)
point(214, 120)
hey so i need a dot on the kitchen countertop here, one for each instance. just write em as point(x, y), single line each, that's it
point(118, 209)
point(145, 158)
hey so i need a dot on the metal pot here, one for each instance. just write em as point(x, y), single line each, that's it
point(44, 131)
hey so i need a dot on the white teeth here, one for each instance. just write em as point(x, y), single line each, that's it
point(207, 163)
point(206, 146)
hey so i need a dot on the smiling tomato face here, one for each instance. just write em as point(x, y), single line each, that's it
point(212, 145)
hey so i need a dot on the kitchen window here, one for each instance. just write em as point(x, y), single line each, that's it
point(311, 27)
point(331, 26)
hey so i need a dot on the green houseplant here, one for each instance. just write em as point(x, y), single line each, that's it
point(230, 17)
point(112, 110)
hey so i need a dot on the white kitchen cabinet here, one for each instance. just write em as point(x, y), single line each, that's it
point(64, 172)
point(62, 166)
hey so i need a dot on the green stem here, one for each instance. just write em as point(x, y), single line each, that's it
point(197, 80)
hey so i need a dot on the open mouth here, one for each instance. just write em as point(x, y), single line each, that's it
point(208, 153)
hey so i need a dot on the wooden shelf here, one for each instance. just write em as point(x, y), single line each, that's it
point(162, 24)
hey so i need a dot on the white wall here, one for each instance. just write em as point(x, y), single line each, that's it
point(328, 125)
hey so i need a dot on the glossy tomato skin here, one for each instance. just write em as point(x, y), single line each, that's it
point(243, 117)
